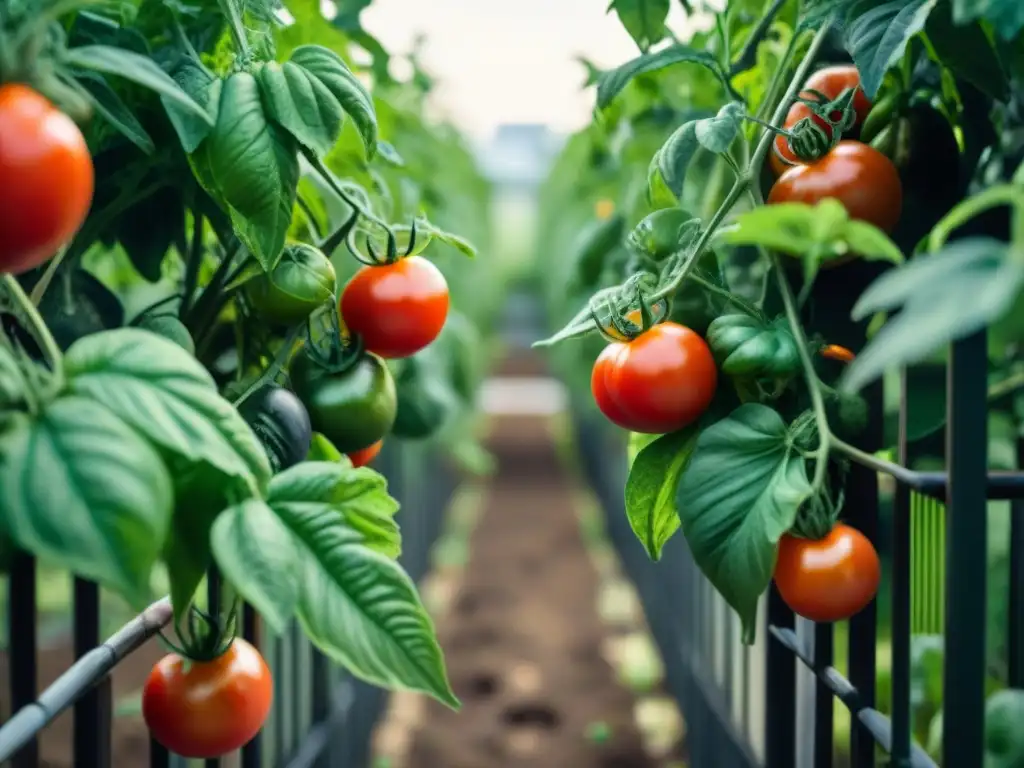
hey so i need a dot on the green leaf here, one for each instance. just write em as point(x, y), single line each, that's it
point(81, 487)
point(205, 90)
point(358, 606)
point(252, 167)
point(255, 552)
point(877, 38)
point(108, 104)
point(968, 285)
point(425, 228)
point(302, 105)
point(739, 494)
point(360, 495)
point(651, 488)
point(1005, 16)
point(967, 51)
point(167, 395)
point(817, 233)
point(715, 134)
point(137, 68)
point(583, 322)
point(643, 19)
point(610, 83)
point(328, 68)
point(322, 449)
point(199, 497)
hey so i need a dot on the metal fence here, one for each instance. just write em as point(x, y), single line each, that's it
point(773, 704)
point(321, 716)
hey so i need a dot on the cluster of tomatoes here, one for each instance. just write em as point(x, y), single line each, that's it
point(48, 179)
point(856, 174)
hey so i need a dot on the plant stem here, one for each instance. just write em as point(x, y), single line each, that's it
point(744, 181)
point(748, 56)
point(1004, 194)
point(275, 367)
point(39, 289)
point(37, 326)
point(724, 293)
point(232, 13)
point(1006, 387)
point(810, 375)
point(195, 258)
point(325, 173)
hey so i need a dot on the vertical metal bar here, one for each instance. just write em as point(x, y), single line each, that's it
point(321, 695)
point(251, 752)
point(823, 701)
point(213, 605)
point(104, 752)
point(862, 502)
point(21, 608)
point(967, 550)
point(1015, 615)
point(88, 719)
point(780, 690)
point(900, 575)
point(158, 756)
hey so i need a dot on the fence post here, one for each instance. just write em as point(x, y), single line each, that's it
point(967, 551)
point(780, 689)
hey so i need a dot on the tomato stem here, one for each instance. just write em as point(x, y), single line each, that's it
point(37, 326)
point(280, 360)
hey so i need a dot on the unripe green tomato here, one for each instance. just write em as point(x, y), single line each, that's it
point(302, 281)
point(662, 233)
point(353, 408)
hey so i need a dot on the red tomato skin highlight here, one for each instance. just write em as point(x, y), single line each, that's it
point(210, 708)
point(599, 385)
point(364, 456)
point(857, 175)
point(662, 380)
point(397, 309)
point(46, 179)
point(828, 580)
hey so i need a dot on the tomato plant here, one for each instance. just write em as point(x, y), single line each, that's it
point(47, 178)
point(208, 708)
point(904, 200)
point(177, 220)
point(397, 309)
point(828, 579)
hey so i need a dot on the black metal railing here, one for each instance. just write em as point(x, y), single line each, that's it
point(321, 716)
point(752, 707)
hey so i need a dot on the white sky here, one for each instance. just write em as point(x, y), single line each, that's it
point(507, 61)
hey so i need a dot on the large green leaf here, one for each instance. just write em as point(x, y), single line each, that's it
point(358, 606)
point(877, 38)
point(255, 552)
point(205, 90)
point(968, 285)
point(81, 487)
point(1005, 16)
point(325, 66)
point(610, 83)
point(163, 392)
point(651, 488)
point(967, 51)
point(643, 19)
point(137, 68)
point(252, 166)
point(739, 494)
point(297, 101)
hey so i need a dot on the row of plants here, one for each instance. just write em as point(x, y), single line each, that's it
point(229, 273)
point(772, 213)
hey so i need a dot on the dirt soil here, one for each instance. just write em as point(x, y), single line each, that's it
point(523, 638)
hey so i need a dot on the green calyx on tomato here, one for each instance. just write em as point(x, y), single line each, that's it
point(749, 347)
point(663, 233)
point(281, 424)
point(208, 708)
point(353, 406)
point(661, 381)
point(302, 281)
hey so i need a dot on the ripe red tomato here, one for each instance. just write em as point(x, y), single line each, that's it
point(398, 309)
point(364, 456)
point(860, 177)
point(830, 81)
point(659, 382)
point(830, 579)
point(46, 179)
point(207, 709)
